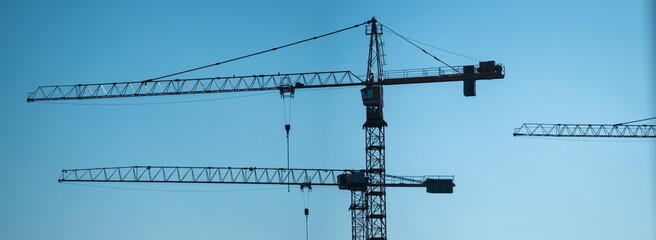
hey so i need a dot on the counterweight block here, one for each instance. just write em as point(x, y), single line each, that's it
point(439, 185)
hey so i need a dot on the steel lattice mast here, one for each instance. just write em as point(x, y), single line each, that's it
point(375, 209)
point(367, 187)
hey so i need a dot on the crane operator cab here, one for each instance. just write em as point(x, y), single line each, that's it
point(372, 98)
point(371, 95)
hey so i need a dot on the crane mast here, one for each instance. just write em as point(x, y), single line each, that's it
point(373, 208)
point(367, 186)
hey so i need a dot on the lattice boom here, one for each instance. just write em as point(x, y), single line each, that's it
point(194, 86)
point(586, 130)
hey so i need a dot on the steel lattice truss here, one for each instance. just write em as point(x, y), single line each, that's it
point(194, 86)
point(586, 130)
point(375, 211)
point(358, 219)
point(246, 83)
point(280, 176)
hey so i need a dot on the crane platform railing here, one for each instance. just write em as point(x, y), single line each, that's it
point(483, 71)
point(427, 72)
point(280, 176)
point(586, 130)
point(417, 72)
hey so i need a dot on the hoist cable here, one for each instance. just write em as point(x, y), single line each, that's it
point(287, 128)
point(306, 211)
point(307, 235)
point(258, 53)
point(284, 109)
point(288, 120)
point(423, 50)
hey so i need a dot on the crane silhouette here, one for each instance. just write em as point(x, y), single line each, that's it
point(367, 186)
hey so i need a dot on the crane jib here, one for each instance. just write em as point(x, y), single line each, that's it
point(345, 179)
point(256, 83)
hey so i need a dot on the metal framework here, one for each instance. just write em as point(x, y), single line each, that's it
point(375, 198)
point(358, 217)
point(247, 175)
point(368, 195)
point(586, 130)
point(194, 86)
point(248, 83)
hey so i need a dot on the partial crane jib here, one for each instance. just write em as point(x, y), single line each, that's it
point(586, 130)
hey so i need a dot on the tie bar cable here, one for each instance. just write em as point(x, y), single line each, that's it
point(423, 50)
point(258, 53)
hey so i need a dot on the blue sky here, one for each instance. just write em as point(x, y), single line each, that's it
point(567, 62)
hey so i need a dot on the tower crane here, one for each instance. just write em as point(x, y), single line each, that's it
point(367, 186)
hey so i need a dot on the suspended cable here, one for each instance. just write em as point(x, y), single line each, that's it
point(636, 121)
point(307, 232)
point(306, 210)
point(423, 50)
point(258, 53)
point(287, 127)
point(444, 50)
point(287, 94)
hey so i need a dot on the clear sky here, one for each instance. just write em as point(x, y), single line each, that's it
point(567, 62)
